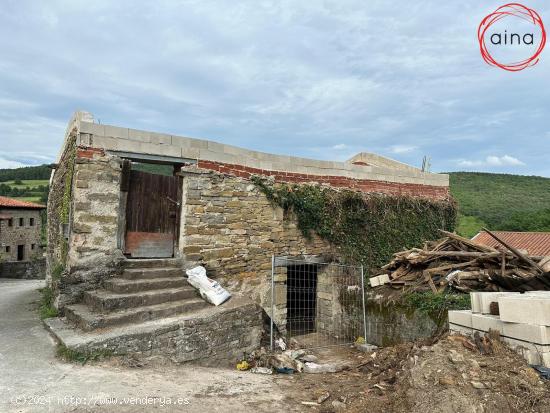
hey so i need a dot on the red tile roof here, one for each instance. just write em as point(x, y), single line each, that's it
point(536, 243)
point(15, 203)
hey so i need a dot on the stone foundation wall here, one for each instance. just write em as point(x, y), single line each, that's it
point(231, 228)
point(217, 335)
point(27, 270)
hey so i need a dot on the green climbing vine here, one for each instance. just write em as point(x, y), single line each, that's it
point(366, 228)
point(64, 207)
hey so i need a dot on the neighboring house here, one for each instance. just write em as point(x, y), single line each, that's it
point(20, 239)
point(535, 243)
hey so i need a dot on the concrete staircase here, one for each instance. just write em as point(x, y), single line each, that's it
point(147, 289)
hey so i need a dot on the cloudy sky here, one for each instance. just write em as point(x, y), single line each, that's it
point(321, 79)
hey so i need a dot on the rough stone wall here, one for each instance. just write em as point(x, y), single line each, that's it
point(15, 235)
point(231, 228)
point(92, 253)
point(24, 270)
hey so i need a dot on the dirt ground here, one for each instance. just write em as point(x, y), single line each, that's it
point(451, 375)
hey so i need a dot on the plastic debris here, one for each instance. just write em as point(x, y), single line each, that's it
point(243, 365)
point(261, 370)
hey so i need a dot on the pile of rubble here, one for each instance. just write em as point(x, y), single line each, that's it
point(465, 266)
point(454, 374)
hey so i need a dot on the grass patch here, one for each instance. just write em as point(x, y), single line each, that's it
point(469, 226)
point(27, 183)
point(47, 309)
point(74, 356)
point(436, 304)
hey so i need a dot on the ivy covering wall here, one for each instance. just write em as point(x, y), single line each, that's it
point(367, 228)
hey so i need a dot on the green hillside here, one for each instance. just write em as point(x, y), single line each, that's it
point(27, 183)
point(501, 202)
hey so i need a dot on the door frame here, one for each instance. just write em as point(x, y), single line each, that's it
point(124, 190)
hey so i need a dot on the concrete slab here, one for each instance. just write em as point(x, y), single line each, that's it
point(486, 298)
point(486, 322)
point(527, 332)
point(475, 301)
point(527, 309)
point(461, 317)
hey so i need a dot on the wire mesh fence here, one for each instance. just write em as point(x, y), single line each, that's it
point(317, 304)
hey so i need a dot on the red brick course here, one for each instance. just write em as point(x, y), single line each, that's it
point(88, 153)
point(365, 185)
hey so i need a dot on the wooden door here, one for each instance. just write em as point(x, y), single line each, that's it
point(152, 215)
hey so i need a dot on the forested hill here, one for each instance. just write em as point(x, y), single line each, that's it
point(501, 202)
point(40, 172)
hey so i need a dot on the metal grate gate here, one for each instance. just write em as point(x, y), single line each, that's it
point(317, 304)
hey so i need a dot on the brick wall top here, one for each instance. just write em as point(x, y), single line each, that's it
point(363, 166)
point(365, 185)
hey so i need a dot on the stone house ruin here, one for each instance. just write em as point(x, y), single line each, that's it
point(21, 254)
point(130, 209)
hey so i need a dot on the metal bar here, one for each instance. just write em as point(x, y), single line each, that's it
point(272, 300)
point(364, 309)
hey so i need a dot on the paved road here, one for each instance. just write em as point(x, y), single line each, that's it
point(32, 379)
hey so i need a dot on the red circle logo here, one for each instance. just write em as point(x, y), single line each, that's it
point(514, 10)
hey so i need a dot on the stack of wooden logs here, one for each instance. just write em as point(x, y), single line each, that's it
point(463, 265)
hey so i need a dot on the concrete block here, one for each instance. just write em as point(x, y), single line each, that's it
point(461, 317)
point(191, 153)
point(160, 138)
point(107, 143)
point(475, 301)
point(527, 309)
point(139, 135)
point(486, 322)
point(485, 300)
point(374, 281)
point(116, 132)
point(92, 128)
point(527, 332)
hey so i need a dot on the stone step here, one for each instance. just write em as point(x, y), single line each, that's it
point(149, 273)
point(81, 316)
point(152, 263)
point(104, 301)
point(122, 286)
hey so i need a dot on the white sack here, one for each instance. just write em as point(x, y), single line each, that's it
point(209, 289)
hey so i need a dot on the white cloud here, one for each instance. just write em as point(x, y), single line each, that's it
point(492, 160)
point(340, 146)
point(6, 163)
point(402, 148)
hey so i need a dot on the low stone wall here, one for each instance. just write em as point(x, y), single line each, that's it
point(212, 336)
point(24, 270)
point(390, 324)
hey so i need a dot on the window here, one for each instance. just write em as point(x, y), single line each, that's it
point(21, 222)
point(33, 246)
point(8, 248)
point(10, 222)
point(31, 222)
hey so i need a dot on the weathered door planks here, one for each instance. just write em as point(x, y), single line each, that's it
point(151, 215)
